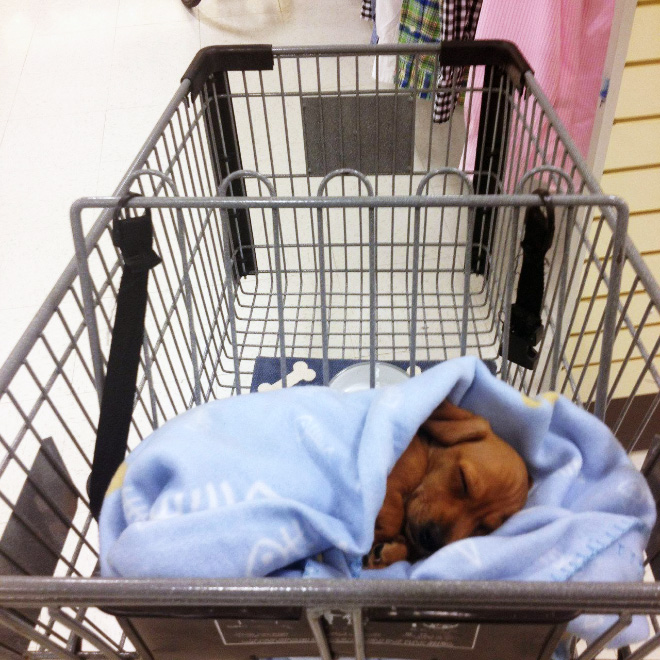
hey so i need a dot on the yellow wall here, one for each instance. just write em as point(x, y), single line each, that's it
point(632, 171)
point(632, 166)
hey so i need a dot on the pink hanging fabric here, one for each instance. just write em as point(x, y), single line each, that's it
point(565, 43)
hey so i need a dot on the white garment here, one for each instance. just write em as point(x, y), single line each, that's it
point(388, 17)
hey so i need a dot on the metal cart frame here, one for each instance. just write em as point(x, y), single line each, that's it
point(268, 251)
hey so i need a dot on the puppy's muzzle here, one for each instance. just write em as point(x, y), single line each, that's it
point(426, 537)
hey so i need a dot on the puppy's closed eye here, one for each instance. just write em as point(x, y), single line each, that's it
point(481, 530)
point(463, 488)
point(468, 483)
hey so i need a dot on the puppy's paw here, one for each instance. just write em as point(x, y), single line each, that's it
point(385, 554)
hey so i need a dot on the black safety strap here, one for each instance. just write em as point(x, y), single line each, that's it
point(133, 237)
point(526, 328)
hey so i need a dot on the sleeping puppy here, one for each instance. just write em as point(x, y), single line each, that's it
point(456, 479)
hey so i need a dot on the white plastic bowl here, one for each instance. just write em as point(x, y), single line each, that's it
point(356, 377)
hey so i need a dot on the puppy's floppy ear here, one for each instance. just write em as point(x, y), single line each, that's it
point(450, 425)
point(447, 411)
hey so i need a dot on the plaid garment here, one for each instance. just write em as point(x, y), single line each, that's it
point(420, 23)
point(367, 11)
point(459, 22)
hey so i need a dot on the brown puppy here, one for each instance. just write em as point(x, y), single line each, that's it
point(456, 479)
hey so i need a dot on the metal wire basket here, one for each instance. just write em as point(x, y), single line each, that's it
point(305, 211)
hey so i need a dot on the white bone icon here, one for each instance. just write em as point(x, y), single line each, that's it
point(300, 372)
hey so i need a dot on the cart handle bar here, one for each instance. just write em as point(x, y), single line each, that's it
point(601, 597)
point(261, 57)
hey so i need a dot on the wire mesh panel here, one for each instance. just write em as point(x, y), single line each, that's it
point(302, 209)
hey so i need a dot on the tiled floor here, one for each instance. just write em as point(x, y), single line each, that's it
point(81, 84)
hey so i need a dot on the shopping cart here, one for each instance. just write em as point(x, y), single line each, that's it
point(304, 211)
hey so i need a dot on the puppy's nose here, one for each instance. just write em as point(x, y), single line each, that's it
point(430, 537)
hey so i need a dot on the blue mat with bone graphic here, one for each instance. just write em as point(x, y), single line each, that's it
point(309, 371)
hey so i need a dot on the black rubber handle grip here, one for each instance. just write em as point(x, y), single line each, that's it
point(214, 59)
point(504, 54)
point(259, 57)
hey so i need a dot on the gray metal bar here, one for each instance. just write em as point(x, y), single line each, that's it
point(87, 288)
point(187, 285)
point(231, 296)
point(280, 300)
point(508, 292)
point(467, 272)
point(185, 169)
point(150, 381)
point(143, 653)
point(34, 330)
point(414, 293)
point(343, 172)
point(324, 308)
point(478, 596)
point(648, 357)
point(373, 296)
point(188, 297)
point(358, 625)
point(465, 181)
point(567, 141)
point(84, 633)
point(11, 621)
point(599, 644)
point(646, 648)
point(380, 201)
point(611, 307)
point(561, 304)
point(360, 49)
point(313, 618)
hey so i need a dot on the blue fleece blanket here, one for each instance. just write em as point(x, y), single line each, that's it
point(260, 484)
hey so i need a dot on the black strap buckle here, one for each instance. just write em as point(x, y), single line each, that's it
point(116, 220)
point(526, 329)
point(134, 237)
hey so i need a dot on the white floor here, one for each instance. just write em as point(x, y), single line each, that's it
point(81, 84)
